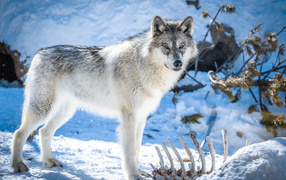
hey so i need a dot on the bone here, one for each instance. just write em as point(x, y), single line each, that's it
point(193, 165)
point(178, 156)
point(159, 177)
point(247, 142)
point(160, 156)
point(165, 173)
point(203, 169)
point(168, 154)
point(212, 152)
point(225, 145)
point(153, 167)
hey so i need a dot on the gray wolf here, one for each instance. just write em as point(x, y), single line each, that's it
point(126, 80)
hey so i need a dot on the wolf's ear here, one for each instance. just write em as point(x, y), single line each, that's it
point(158, 26)
point(187, 26)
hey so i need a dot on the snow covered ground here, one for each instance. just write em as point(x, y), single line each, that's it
point(258, 161)
point(87, 144)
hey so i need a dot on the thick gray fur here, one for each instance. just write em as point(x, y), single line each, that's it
point(126, 80)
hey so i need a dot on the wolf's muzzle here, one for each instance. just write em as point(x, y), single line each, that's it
point(178, 63)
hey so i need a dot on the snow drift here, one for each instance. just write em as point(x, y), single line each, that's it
point(255, 162)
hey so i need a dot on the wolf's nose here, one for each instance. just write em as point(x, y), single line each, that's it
point(178, 63)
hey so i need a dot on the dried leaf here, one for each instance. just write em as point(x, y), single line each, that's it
point(257, 48)
point(281, 49)
point(239, 134)
point(184, 160)
point(256, 29)
point(149, 136)
point(205, 14)
point(256, 40)
point(237, 96)
point(175, 99)
point(228, 92)
point(272, 130)
point(271, 120)
point(264, 107)
point(219, 27)
point(271, 39)
point(253, 108)
point(228, 8)
point(192, 118)
point(248, 50)
point(277, 84)
point(252, 69)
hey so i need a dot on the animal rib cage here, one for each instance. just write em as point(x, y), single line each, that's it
point(166, 173)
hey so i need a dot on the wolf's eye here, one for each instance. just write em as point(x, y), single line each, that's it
point(166, 46)
point(181, 46)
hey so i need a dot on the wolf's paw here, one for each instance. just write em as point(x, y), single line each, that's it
point(144, 173)
point(53, 163)
point(20, 167)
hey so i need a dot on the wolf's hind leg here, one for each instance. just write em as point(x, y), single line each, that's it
point(30, 121)
point(59, 115)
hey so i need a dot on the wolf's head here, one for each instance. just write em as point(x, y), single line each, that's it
point(172, 42)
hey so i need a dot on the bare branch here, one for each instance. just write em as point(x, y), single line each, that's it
point(187, 88)
point(277, 67)
point(213, 80)
point(194, 79)
point(284, 70)
point(233, 57)
point(212, 23)
point(280, 30)
point(207, 95)
point(254, 30)
point(245, 64)
point(255, 53)
point(197, 59)
point(253, 95)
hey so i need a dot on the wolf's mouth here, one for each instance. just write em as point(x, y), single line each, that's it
point(166, 66)
point(176, 69)
point(173, 69)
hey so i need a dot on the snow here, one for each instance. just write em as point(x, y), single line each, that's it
point(30, 25)
point(87, 145)
point(255, 162)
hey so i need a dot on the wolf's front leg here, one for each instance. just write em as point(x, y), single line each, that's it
point(127, 133)
point(140, 125)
